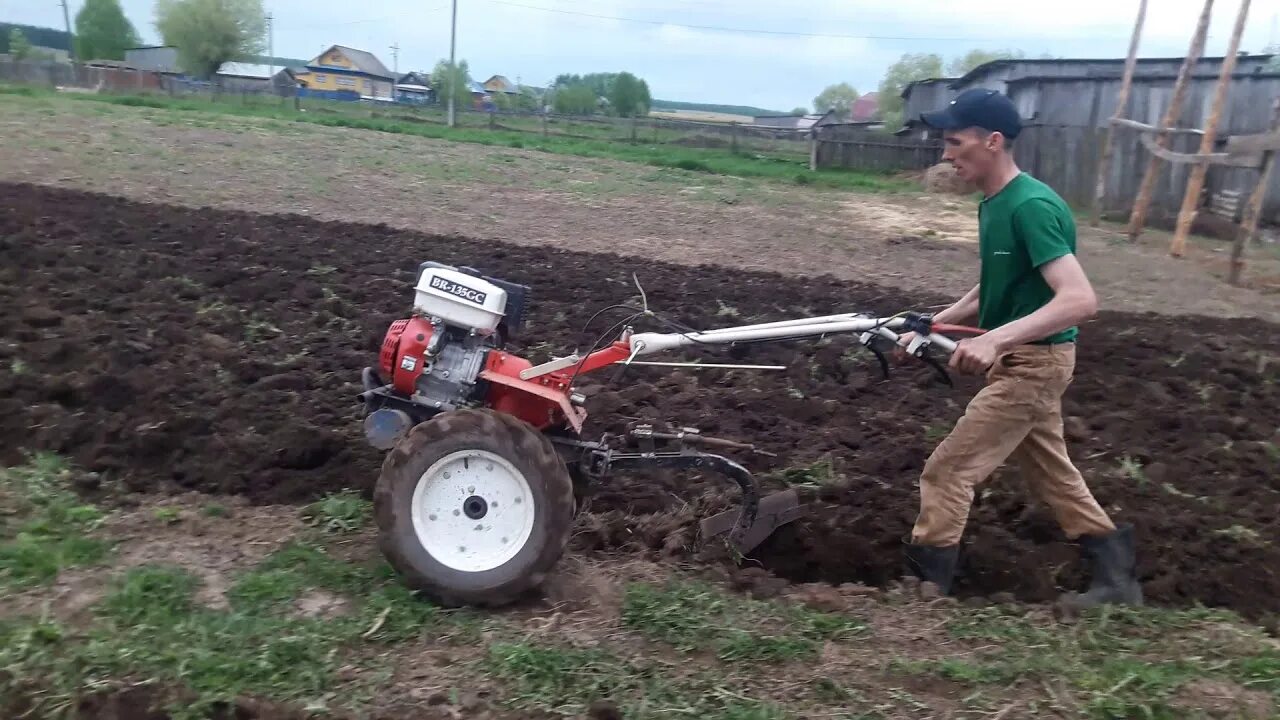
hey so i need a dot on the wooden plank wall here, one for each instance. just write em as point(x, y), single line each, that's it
point(856, 148)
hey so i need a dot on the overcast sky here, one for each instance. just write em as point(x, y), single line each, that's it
point(833, 40)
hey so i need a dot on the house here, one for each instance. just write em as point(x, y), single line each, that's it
point(865, 108)
point(501, 84)
point(343, 73)
point(415, 88)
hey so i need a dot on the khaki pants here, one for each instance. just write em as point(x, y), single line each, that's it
point(1019, 415)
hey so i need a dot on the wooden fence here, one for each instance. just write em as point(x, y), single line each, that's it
point(856, 148)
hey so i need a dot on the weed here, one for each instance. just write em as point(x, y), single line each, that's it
point(1241, 534)
point(167, 515)
point(51, 534)
point(257, 329)
point(937, 432)
point(217, 306)
point(342, 512)
point(1175, 362)
point(17, 366)
point(321, 270)
point(726, 310)
point(1132, 469)
point(816, 474)
point(216, 510)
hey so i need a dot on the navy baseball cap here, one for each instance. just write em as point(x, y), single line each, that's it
point(981, 108)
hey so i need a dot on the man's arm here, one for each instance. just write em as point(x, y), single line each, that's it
point(1073, 302)
point(962, 311)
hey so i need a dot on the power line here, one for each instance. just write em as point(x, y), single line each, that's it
point(720, 28)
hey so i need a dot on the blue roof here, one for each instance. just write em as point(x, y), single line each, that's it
point(476, 87)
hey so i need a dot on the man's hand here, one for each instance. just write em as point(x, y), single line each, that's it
point(975, 355)
point(900, 350)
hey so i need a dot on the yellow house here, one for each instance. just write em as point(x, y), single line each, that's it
point(340, 71)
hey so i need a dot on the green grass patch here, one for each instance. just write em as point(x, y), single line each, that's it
point(1117, 662)
point(695, 616)
point(341, 512)
point(43, 525)
point(567, 680)
point(150, 627)
point(583, 140)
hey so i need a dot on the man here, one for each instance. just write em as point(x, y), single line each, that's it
point(1031, 295)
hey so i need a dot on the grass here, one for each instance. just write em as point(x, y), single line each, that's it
point(150, 627)
point(791, 169)
point(1119, 663)
point(565, 680)
point(43, 526)
point(818, 473)
point(692, 616)
point(342, 512)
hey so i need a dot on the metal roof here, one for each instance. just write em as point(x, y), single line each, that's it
point(365, 62)
point(247, 70)
point(987, 67)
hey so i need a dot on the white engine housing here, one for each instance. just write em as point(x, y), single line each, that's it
point(459, 299)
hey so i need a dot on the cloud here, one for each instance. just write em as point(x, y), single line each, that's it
point(686, 63)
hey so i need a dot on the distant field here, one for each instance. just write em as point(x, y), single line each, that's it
point(701, 116)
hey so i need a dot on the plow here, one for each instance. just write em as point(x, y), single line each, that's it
point(486, 463)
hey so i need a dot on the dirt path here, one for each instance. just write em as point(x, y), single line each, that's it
point(918, 242)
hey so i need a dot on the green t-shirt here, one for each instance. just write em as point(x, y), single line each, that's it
point(1020, 228)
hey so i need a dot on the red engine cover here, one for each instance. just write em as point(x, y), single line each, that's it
point(403, 350)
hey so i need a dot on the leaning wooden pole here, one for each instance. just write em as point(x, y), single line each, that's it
point(1195, 183)
point(1122, 103)
point(1138, 218)
point(1248, 229)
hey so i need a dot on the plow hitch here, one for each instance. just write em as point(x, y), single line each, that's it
point(644, 447)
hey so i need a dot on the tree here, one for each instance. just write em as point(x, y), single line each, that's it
point(102, 31)
point(455, 81)
point(800, 111)
point(910, 67)
point(208, 33)
point(836, 97)
point(972, 59)
point(575, 100)
point(629, 95)
point(19, 46)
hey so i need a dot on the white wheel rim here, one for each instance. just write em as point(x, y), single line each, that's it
point(472, 511)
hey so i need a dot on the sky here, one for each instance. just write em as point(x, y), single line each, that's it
point(762, 53)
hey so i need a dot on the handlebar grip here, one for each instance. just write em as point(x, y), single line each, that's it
point(942, 341)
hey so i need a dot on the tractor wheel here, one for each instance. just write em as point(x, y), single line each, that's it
point(473, 507)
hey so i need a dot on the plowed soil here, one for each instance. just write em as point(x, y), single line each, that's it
point(216, 350)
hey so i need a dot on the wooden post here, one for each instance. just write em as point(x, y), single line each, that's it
point(1248, 229)
point(734, 140)
point(1195, 182)
point(1138, 218)
point(1122, 103)
point(813, 149)
point(655, 131)
point(544, 124)
point(633, 128)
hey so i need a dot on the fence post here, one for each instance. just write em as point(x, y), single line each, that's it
point(733, 146)
point(813, 149)
point(492, 122)
point(1249, 222)
point(544, 123)
point(1138, 215)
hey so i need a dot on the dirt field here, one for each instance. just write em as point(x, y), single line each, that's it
point(198, 366)
point(917, 242)
point(226, 350)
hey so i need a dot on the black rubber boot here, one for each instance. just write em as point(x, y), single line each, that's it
point(933, 564)
point(1111, 561)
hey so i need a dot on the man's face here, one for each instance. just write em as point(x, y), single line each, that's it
point(971, 151)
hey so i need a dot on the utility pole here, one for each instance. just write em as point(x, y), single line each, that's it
point(395, 59)
point(71, 39)
point(271, 47)
point(453, 42)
